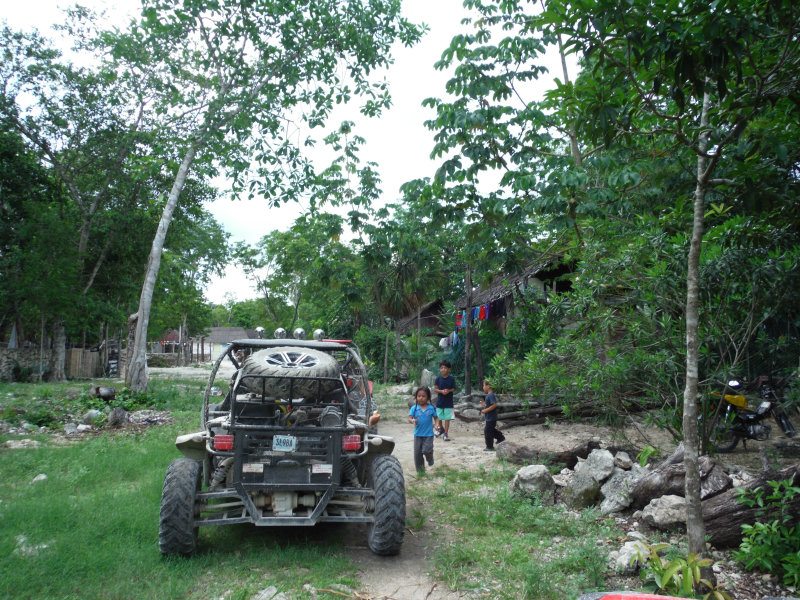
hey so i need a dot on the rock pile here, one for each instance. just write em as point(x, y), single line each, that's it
point(602, 477)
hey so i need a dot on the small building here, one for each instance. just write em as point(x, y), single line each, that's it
point(428, 317)
point(217, 339)
point(495, 302)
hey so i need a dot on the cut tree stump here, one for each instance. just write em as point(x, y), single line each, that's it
point(724, 515)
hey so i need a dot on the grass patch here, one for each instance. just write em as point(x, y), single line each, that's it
point(90, 530)
point(50, 405)
point(504, 546)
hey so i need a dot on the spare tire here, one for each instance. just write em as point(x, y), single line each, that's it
point(286, 371)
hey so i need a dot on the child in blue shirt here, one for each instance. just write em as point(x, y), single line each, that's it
point(422, 415)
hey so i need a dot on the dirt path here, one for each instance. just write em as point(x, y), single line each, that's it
point(406, 577)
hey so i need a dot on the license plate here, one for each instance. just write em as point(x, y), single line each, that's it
point(284, 443)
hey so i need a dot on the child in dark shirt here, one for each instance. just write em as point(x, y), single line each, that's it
point(444, 386)
point(489, 411)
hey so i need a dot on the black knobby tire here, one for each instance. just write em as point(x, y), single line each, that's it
point(299, 372)
point(387, 531)
point(723, 437)
point(177, 533)
point(786, 425)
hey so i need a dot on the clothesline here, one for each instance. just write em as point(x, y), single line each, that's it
point(496, 308)
point(481, 312)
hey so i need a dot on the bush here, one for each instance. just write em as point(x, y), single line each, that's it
point(160, 360)
point(772, 545)
point(371, 342)
point(665, 570)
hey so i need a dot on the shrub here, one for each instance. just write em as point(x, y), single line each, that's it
point(665, 570)
point(371, 342)
point(772, 544)
point(160, 360)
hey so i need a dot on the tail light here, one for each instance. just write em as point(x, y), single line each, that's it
point(351, 443)
point(223, 442)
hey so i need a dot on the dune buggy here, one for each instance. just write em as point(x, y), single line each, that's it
point(291, 443)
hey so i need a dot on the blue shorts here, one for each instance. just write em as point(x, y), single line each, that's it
point(444, 414)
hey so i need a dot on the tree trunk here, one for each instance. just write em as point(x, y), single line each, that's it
point(182, 342)
point(467, 377)
point(136, 376)
point(296, 314)
point(398, 365)
point(572, 203)
point(386, 358)
point(695, 529)
point(132, 319)
point(419, 327)
point(41, 351)
point(59, 355)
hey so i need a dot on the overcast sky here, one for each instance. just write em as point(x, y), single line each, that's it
point(397, 141)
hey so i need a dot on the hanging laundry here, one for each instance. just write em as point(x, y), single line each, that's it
point(475, 312)
point(454, 339)
point(459, 319)
point(482, 312)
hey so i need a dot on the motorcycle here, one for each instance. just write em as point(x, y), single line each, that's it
point(736, 422)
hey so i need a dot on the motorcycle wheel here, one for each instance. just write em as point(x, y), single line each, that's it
point(724, 439)
point(785, 424)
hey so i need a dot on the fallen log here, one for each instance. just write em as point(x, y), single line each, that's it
point(520, 422)
point(553, 409)
point(519, 454)
point(724, 516)
point(669, 479)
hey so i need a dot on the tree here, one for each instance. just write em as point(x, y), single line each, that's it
point(686, 81)
point(229, 80)
point(33, 238)
point(195, 250)
point(699, 76)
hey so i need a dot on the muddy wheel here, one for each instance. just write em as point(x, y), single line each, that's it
point(723, 438)
point(386, 533)
point(177, 533)
point(289, 371)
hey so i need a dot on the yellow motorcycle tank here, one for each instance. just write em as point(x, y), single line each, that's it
point(738, 400)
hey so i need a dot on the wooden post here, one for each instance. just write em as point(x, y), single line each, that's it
point(41, 351)
point(467, 378)
point(386, 358)
point(478, 356)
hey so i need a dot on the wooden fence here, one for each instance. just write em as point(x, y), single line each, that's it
point(83, 364)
